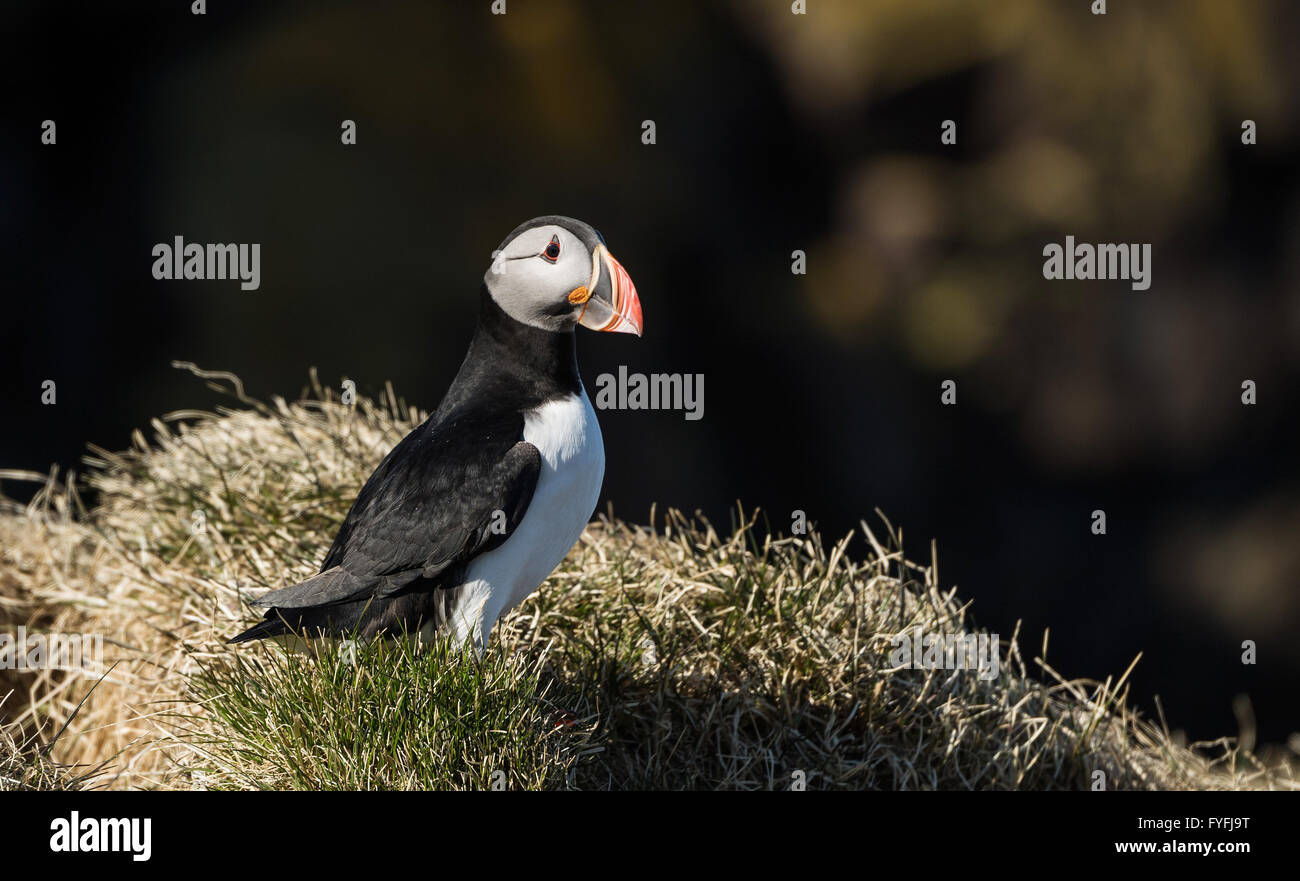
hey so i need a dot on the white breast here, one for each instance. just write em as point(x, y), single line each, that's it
point(567, 435)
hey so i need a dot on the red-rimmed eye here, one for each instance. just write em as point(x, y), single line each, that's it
point(552, 252)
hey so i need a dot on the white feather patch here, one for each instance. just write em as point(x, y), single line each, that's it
point(567, 436)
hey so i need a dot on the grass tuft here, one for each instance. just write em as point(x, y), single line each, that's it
point(382, 716)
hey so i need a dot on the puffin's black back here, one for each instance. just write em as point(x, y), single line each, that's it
point(399, 558)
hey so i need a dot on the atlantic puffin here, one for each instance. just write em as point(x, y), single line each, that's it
point(472, 510)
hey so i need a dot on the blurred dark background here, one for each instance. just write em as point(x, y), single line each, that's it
point(775, 132)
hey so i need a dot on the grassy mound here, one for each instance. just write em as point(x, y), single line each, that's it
point(663, 656)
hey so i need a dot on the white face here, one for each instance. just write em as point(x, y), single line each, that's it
point(532, 276)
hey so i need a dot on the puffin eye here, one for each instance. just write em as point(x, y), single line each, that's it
point(552, 252)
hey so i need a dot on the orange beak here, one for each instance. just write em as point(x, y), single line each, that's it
point(614, 306)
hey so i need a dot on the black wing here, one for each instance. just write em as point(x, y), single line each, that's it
point(451, 490)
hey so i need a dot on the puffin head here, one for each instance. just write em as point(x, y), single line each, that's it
point(555, 273)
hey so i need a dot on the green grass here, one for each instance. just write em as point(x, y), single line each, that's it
point(384, 716)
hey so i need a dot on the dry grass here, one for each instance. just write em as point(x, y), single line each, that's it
point(25, 767)
point(689, 659)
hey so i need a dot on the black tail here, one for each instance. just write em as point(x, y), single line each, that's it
point(273, 626)
point(361, 619)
